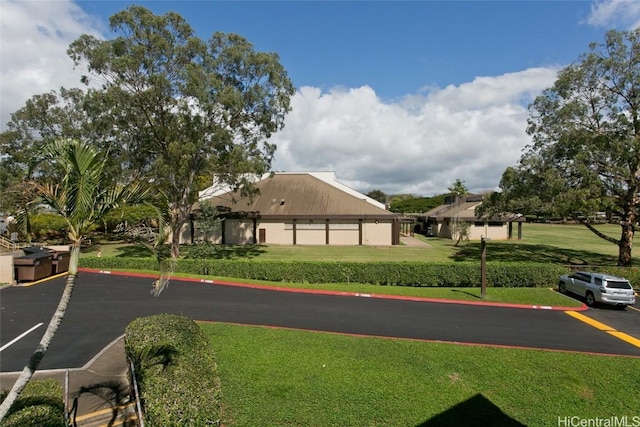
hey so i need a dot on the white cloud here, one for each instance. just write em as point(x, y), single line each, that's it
point(419, 145)
point(35, 36)
point(607, 13)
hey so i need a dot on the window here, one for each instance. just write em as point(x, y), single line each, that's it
point(618, 284)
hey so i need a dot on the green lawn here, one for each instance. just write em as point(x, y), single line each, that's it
point(554, 243)
point(275, 377)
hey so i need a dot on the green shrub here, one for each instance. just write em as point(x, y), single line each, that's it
point(40, 405)
point(176, 371)
point(47, 226)
point(448, 274)
point(132, 215)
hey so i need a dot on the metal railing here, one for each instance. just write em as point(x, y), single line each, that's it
point(11, 245)
point(136, 392)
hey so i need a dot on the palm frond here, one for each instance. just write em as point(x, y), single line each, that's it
point(80, 196)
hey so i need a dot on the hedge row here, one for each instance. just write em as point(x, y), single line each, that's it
point(463, 274)
point(40, 404)
point(176, 371)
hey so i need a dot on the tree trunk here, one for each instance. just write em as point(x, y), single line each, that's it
point(176, 230)
point(628, 226)
point(179, 218)
point(625, 244)
point(41, 350)
point(175, 242)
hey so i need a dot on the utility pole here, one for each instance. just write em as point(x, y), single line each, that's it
point(483, 266)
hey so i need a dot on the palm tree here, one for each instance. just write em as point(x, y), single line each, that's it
point(80, 197)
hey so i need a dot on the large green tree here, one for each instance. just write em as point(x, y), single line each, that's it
point(67, 113)
point(81, 198)
point(585, 151)
point(183, 107)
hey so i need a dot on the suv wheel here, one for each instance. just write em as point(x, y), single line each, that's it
point(591, 300)
point(562, 288)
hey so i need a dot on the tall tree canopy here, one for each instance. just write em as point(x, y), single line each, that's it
point(166, 105)
point(378, 195)
point(185, 107)
point(585, 151)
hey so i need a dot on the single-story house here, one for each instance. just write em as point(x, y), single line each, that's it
point(297, 208)
point(441, 220)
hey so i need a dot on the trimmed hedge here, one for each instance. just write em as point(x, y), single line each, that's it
point(40, 404)
point(452, 274)
point(176, 371)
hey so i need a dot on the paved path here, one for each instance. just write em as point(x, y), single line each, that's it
point(412, 241)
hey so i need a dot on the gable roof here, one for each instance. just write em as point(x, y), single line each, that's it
point(301, 194)
point(465, 211)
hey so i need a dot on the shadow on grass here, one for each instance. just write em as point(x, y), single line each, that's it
point(133, 251)
point(209, 251)
point(513, 252)
point(466, 292)
point(475, 411)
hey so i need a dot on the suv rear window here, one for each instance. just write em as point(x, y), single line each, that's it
point(618, 284)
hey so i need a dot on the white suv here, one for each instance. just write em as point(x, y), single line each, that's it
point(598, 287)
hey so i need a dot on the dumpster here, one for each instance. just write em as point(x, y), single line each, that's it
point(60, 262)
point(34, 265)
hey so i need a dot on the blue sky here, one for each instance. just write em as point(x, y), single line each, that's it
point(404, 97)
point(395, 47)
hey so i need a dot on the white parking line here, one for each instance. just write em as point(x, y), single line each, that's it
point(19, 337)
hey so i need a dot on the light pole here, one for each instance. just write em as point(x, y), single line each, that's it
point(483, 266)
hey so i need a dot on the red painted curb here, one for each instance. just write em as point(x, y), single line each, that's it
point(583, 307)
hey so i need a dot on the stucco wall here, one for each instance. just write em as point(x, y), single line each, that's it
point(240, 232)
point(376, 234)
point(275, 232)
point(6, 268)
point(476, 231)
point(491, 232)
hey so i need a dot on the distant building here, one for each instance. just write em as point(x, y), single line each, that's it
point(440, 221)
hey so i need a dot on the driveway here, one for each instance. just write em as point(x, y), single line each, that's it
point(103, 305)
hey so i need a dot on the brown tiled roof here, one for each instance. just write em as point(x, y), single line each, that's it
point(299, 195)
point(466, 211)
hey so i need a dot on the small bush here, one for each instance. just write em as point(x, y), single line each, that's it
point(451, 274)
point(40, 405)
point(131, 215)
point(176, 371)
point(47, 226)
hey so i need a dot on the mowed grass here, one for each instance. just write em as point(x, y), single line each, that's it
point(553, 243)
point(276, 377)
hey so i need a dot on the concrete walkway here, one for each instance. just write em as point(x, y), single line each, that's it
point(412, 241)
point(106, 374)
